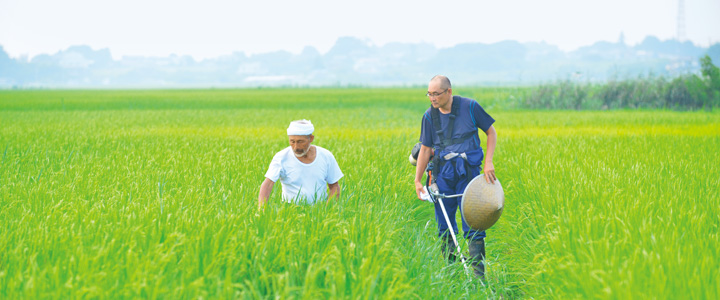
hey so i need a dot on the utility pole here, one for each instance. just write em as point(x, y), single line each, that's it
point(681, 64)
point(681, 21)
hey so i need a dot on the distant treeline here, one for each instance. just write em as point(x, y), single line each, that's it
point(686, 92)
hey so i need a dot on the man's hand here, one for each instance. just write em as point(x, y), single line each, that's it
point(489, 171)
point(265, 190)
point(489, 168)
point(422, 162)
point(419, 189)
point(334, 191)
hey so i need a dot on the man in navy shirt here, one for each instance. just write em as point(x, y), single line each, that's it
point(452, 171)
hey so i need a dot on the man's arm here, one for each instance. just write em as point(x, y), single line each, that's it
point(489, 168)
point(422, 162)
point(334, 190)
point(265, 190)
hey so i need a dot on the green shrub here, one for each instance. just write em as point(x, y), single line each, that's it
point(686, 92)
point(712, 74)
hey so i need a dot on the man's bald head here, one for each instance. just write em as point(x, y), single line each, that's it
point(442, 80)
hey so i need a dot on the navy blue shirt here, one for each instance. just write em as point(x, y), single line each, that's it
point(470, 117)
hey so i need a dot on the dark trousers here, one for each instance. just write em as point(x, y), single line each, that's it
point(445, 186)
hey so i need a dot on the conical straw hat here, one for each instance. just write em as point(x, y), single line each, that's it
point(482, 203)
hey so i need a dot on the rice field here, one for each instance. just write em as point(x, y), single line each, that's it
point(153, 194)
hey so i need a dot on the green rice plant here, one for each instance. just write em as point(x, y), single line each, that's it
point(153, 194)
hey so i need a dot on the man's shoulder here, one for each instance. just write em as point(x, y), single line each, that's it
point(467, 104)
point(427, 115)
point(463, 100)
point(323, 151)
point(282, 153)
point(427, 111)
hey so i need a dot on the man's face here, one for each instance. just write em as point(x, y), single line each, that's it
point(300, 144)
point(439, 96)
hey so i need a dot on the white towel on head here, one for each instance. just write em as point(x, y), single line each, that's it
point(300, 127)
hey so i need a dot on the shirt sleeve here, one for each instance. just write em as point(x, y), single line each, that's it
point(275, 170)
point(426, 130)
point(481, 118)
point(334, 173)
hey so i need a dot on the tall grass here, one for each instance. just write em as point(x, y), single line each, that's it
point(147, 194)
point(686, 92)
point(623, 210)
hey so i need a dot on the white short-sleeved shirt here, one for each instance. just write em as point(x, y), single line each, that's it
point(301, 182)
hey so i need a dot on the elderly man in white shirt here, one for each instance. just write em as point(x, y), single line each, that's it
point(303, 169)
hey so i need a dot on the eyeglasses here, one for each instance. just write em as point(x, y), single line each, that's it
point(436, 94)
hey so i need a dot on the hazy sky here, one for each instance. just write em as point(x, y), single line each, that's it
point(210, 28)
